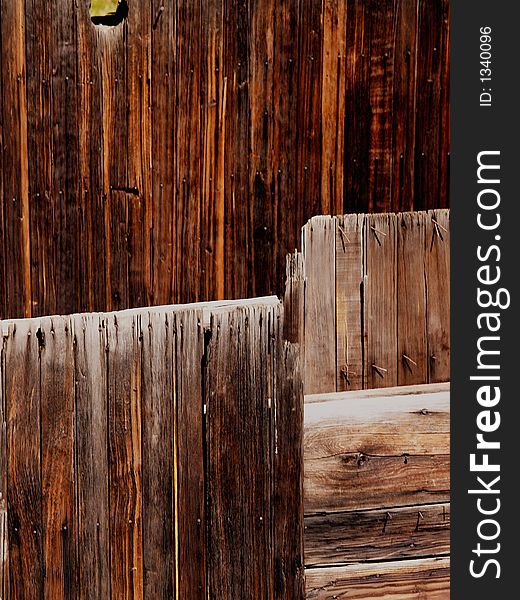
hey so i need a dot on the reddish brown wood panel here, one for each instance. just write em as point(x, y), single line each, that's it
point(176, 156)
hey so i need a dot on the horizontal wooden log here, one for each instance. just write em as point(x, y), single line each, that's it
point(395, 580)
point(363, 453)
point(385, 534)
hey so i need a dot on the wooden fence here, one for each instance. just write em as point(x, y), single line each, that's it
point(175, 157)
point(377, 493)
point(153, 453)
point(375, 305)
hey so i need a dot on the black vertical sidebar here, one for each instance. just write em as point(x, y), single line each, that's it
point(485, 117)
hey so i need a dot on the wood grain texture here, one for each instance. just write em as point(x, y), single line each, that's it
point(289, 576)
point(363, 454)
point(4, 532)
point(57, 456)
point(190, 459)
point(143, 451)
point(380, 308)
point(175, 157)
point(91, 448)
point(158, 443)
point(382, 534)
point(350, 372)
point(24, 495)
point(319, 249)
point(125, 456)
point(394, 580)
point(412, 352)
point(437, 266)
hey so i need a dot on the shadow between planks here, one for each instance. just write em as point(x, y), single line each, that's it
point(152, 453)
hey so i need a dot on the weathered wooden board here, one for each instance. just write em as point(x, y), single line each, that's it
point(152, 453)
point(376, 452)
point(382, 534)
point(158, 454)
point(412, 352)
point(190, 461)
point(350, 373)
point(437, 238)
point(175, 156)
point(380, 301)
point(319, 250)
point(393, 580)
point(387, 299)
point(57, 456)
point(91, 447)
point(24, 490)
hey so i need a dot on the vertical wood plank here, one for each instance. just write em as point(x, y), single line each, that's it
point(158, 442)
point(4, 535)
point(431, 156)
point(333, 105)
point(24, 492)
point(261, 52)
point(437, 240)
point(163, 124)
point(213, 120)
point(139, 176)
point(289, 576)
point(93, 566)
point(357, 90)
point(125, 462)
point(349, 302)
point(188, 54)
point(412, 355)
point(38, 24)
point(288, 206)
point(63, 120)
point(57, 456)
point(309, 127)
point(404, 99)
point(381, 301)
point(190, 463)
point(224, 483)
point(15, 159)
point(319, 247)
point(238, 212)
point(381, 52)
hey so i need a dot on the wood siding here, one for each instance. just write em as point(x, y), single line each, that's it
point(376, 300)
point(153, 453)
point(377, 493)
point(175, 157)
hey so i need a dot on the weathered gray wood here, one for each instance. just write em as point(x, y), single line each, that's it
point(319, 249)
point(350, 373)
point(158, 450)
point(91, 456)
point(396, 580)
point(412, 352)
point(294, 299)
point(380, 307)
point(190, 459)
point(376, 452)
point(437, 239)
point(382, 534)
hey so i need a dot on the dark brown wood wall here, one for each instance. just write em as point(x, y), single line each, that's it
point(175, 157)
